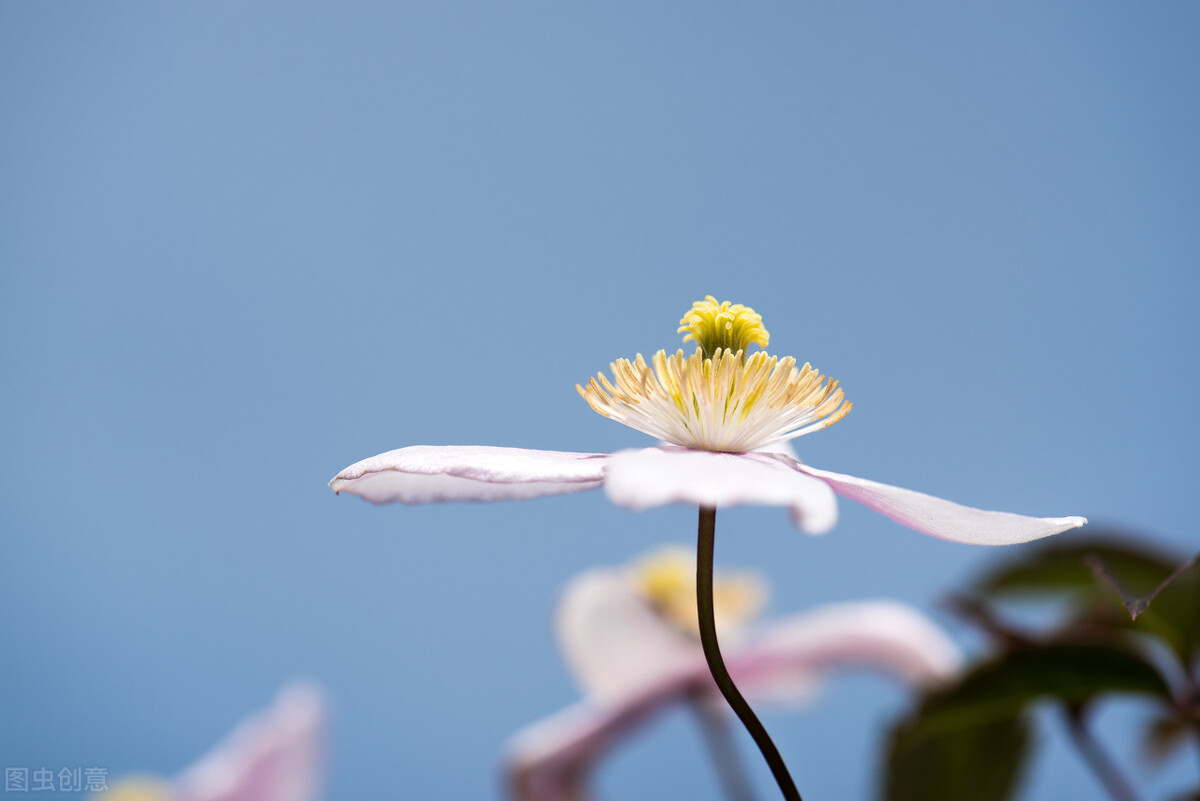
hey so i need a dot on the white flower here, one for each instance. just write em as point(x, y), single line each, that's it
point(725, 418)
point(633, 654)
point(277, 755)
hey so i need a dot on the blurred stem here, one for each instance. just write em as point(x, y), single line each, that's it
point(705, 539)
point(1097, 758)
point(721, 748)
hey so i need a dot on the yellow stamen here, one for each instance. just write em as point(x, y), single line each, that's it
point(718, 399)
point(726, 403)
point(723, 326)
point(667, 579)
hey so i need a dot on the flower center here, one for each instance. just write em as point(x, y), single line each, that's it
point(723, 326)
point(138, 789)
point(718, 400)
point(667, 579)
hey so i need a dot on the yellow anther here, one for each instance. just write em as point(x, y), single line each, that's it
point(723, 326)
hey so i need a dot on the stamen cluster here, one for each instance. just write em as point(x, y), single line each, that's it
point(727, 403)
point(718, 398)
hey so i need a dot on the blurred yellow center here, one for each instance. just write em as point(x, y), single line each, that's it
point(138, 789)
point(667, 579)
point(718, 398)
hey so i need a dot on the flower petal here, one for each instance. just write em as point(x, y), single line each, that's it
point(639, 479)
point(613, 642)
point(428, 474)
point(276, 756)
point(552, 760)
point(792, 654)
point(549, 760)
point(941, 518)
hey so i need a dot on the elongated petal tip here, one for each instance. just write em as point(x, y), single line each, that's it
point(431, 474)
point(941, 518)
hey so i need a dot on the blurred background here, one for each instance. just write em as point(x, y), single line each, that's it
point(247, 244)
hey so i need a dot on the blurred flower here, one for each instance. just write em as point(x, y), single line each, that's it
point(724, 417)
point(632, 650)
point(276, 755)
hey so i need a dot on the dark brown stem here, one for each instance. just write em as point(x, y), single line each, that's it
point(705, 541)
point(1098, 760)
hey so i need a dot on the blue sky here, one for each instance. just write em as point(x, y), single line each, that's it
point(247, 244)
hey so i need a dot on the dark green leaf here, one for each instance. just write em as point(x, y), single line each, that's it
point(1068, 672)
point(1063, 566)
point(1174, 614)
point(968, 740)
point(982, 762)
point(1136, 604)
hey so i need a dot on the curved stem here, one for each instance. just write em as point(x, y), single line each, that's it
point(1101, 764)
point(705, 539)
point(721, 747)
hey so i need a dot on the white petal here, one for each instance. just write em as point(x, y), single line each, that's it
point(275, 756)
point(427, 474)
point(613, 642)
point(639, 479)
point(940, 518)
point(550, 760)
point(794, 653)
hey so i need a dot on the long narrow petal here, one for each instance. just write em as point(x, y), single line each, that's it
point(941, 518)
point(428, 474)
point(612, 640)
point(549, 760)
point(792, 654)
point(640, 479)
point(276, 756)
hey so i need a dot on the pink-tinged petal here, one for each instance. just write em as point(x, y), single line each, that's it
point(793, 654)
point(640, 479)
point(429, 474)
point(275, 756)
point(550, 760)
point(940, 518)
point(613, 642)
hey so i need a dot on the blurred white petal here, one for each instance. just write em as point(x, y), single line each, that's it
point(612, 641)
point(277, 755)
point(790, 655)
point(548, 760)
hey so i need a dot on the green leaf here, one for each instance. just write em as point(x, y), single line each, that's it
point(1068, 672)
point(969, 740)
point(982, 762)
point(1174, 614)
point(1161, 595)
point(1062, 566)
